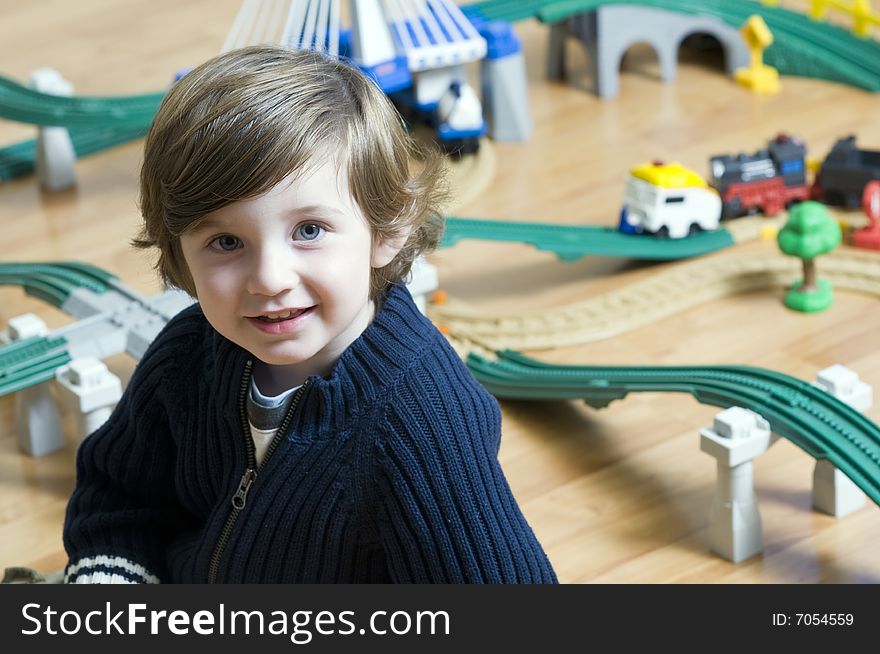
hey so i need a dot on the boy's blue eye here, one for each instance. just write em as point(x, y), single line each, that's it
point(226, 243)
point(309, 231)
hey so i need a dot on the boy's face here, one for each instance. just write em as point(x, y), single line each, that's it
point(286, 275)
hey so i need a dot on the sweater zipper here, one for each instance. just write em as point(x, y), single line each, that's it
point(239, 498)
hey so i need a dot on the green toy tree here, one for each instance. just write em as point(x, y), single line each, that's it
point(809, 232)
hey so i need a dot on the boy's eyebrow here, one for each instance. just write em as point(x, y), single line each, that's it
point(319, 210)
point(202, 224)
point(312, 210)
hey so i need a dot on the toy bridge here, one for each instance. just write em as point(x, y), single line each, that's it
point(112, 318)
point(801, 46)
point(390, 39)
point(809, 417)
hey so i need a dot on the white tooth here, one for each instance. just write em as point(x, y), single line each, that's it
point(278, 316)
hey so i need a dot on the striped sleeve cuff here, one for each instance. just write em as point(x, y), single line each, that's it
point(107, 570)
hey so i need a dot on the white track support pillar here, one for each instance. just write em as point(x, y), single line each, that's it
point(56, 158)
point(38, 422)
point(424, 280)
point(833, 492)
point(371, 42)
point(505, 89)
point(91, 390)
point(735, 439)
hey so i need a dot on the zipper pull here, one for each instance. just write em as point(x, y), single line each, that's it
point(238, 500)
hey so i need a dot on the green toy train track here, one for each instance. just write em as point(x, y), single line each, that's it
point(34, 360)
point(19, 159)
point(31, 361)
point(811, 418)
point(54, 282)
point(95, 123)
point(801, 46)
point(571, 242)
point(22, 104)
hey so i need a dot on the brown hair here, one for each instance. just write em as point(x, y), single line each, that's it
point(240, 123)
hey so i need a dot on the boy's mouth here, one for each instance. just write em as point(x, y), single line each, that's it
point(282, 316)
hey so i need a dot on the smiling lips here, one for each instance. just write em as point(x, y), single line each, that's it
point(280, 323)
point(284, 315)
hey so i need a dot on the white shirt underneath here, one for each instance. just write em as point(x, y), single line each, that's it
point(263, 437)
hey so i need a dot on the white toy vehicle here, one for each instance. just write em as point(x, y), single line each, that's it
point(668, 200)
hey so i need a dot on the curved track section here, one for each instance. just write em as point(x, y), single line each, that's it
point(95, 123)
point(648, 300)
point(19, 159)
point(54, 282)
point(22, 104)
point(572, 242)
point(815, 421)
point(801, 46)
point(34, 360)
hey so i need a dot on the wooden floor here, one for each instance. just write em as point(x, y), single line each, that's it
point(619, 495)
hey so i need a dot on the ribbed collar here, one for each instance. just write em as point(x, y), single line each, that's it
point(368, 367)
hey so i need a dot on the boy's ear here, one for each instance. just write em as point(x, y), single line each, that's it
point(386, 248)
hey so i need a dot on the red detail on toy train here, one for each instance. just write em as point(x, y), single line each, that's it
point(770, 196)
point(869, 237)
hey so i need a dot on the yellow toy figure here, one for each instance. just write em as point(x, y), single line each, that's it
point(863, 17)
point(758, 77)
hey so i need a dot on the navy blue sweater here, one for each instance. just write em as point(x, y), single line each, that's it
point(385, 472)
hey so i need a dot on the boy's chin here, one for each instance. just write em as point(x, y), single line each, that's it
point(284, 358)
point(308, 360)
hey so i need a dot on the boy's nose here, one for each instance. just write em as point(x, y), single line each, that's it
point(271, 275)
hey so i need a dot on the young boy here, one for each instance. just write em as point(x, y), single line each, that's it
point(303, 422)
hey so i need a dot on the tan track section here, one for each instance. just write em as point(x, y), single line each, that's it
point(647, 300)
point(469, 176)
